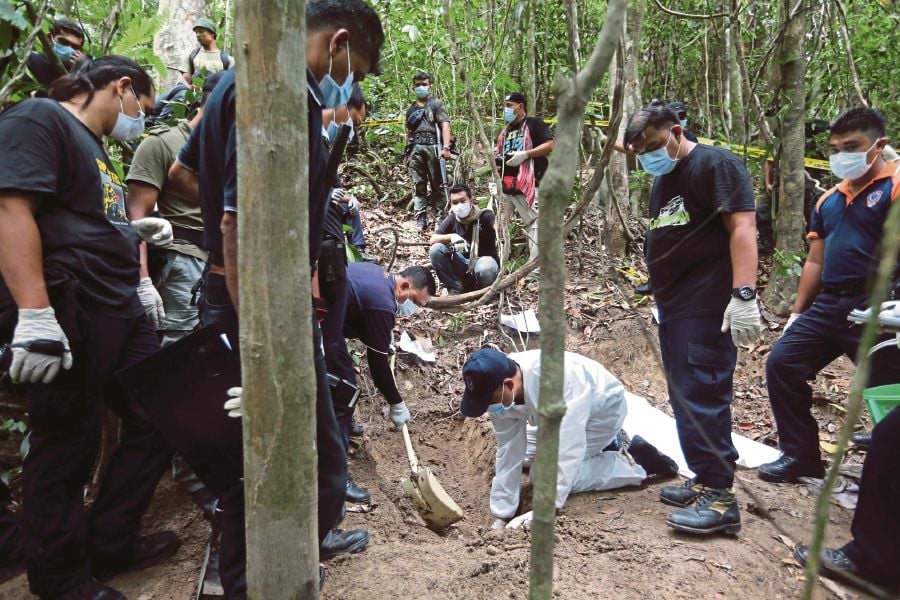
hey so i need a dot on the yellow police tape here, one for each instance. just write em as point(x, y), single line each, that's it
point(752, 152)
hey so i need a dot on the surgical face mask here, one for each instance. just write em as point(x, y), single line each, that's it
point(333, 128)
point(128, 128)
point(406, 308)
point(421, 91)
point(461, 210)
point(63, 53)
point(499, 408)
point(509, 114)
point(658, 162)
point(850, 165)
point(334, 95)
point(683, 123)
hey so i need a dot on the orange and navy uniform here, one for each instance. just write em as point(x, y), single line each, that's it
point(852, 226)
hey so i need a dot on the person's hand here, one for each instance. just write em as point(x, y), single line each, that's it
point(459, 243)
point(153, 304)
point(352, 204)
point(155, 231)
point(398, 414)
point(517, 158)
point(498, 523)
point(790, 322)
point(523, 520)
point(233, 405)
point(31, 366)
point(445, 153)
point(742, 318)
point(337, 194)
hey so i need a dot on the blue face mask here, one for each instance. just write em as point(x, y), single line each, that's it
point(421, 91)
point(406, 308)
point(509, 114)
point(683, 123)
point(658, 162)
point(334, 95)
point(63, 53)
point(499, 408)
point(333, 129)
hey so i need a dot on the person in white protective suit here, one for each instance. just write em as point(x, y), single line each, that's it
point(591, 456)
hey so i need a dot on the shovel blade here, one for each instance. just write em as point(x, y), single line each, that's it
point(435, 506)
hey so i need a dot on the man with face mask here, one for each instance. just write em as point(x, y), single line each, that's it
point(591, 457)
point(681, 112)
point(422, 118)
point(68, 42)
point(701, 254)
point(846, 230)
point(522, 149)
point(464, 247)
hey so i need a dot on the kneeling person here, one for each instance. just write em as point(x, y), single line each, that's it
point(589, 438)
point(464, 246)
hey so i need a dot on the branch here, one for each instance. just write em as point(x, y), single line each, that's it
point(29, 44)
point(853, 74)
point(682, 15)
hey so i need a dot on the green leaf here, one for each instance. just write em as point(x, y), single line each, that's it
point(9, 14)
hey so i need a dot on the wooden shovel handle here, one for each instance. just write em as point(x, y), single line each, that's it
point(410, 453)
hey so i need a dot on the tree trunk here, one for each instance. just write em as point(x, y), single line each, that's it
point(639, 198)
point(556, 188)
point(175, 39)
point(789, 227)
point(571, 7)
point(531, 75)
point(280, 485)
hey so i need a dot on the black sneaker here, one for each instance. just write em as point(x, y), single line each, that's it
point(422, 221)
point(356, 430)
point(339, 541)
point(147, 551)
point(681, 495)
point(356, 493)
point(206, 501)
point(862, 439)
point(715, 510)
point(835, 564)
point(89, 590)
point(653, 461)
point(789, 469)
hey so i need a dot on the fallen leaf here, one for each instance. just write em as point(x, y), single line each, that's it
point(791, 562)
point(827, 447)
point(786, 541)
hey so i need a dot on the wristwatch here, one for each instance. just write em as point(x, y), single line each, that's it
point(743, 293)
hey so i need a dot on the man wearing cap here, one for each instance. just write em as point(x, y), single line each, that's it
point(590, 455)
point(207, 55)
point(680, 110)
point(522, 149)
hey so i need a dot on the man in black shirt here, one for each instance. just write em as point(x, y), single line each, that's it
point(464, 247)
point(68, 41)
point(522, 149)
point(680, 110)
point(701, 253)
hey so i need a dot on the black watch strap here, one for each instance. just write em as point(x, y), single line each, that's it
point(743, 293)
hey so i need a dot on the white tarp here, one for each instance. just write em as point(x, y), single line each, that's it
point(421, 347)
point(658, 428)
point(526, 322)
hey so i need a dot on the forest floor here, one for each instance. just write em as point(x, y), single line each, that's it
point(611, 544)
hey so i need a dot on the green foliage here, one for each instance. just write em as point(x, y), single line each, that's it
point(135, 37)
point(788, 263)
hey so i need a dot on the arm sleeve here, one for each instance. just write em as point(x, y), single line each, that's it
point(186, 63)
point(30, 156)
point(540, 131)
point(440, 112)
point(190, 152)
point(511, 445)
point(816, 224)
point(230, 187)
point(572, 436)
point(487, 237)
point(731, 186)
point(446, 226)
point(376, 335)
point(380, 366)
point(151, 163)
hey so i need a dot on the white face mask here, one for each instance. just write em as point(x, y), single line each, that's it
point(850, 165)
point(462, 210)
point(128, 128)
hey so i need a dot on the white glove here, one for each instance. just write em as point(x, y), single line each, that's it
point(790, 322)
point(523, 520)
point(34, 367)
point(459, 242)
point(155, 231)
point(517, 158)
point(742, 317)
point(153, 304)
point(233, 405)
point(352, 204)
point(398, 414)
point(498, 523)
point(337, 194)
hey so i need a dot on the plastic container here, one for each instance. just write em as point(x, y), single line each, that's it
point(881, 400)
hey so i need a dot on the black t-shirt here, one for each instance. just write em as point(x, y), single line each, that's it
point(41, 69)
point(514, 140)
point(85, 234)
point(487, 236)
point(689, 135)
point(694, 278)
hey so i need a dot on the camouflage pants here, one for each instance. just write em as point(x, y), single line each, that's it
point(425, 172)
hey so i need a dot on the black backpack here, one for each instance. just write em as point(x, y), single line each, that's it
point(415, 118)
point(222, 55)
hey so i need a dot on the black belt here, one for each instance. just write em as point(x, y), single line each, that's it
point(193, 236)
point(424, 138)
point(850, 290)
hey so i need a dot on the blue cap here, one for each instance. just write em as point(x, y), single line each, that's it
point(483, 373)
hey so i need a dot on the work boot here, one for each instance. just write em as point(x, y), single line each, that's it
point(356, 493)
point(715, 510)
point(681, 495)
point(89, 590)
point(653, 461)
point(339, 541)
point(862, 439)
point(422, 221)
point(147, 551)
point(644, 289)
point(789, 469)
point(321, 577)
point(205, 501)
point(835, 564)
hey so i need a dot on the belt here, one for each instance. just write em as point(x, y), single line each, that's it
point(194, 236)
point(850, 290)
point(424, 138)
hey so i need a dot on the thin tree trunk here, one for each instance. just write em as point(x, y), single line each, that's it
point(531, 73)
point(571, 7)
point(276, 338)
point(556, 188)
point(175, 39)
point(789, 225)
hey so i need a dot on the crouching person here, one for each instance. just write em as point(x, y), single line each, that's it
point(464, 246)
point(590, 455)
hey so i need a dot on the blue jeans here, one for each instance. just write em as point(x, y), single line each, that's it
point(356, 238)
point(699, 360)
point(174, 283)
point(452, 269)
point(816, 338)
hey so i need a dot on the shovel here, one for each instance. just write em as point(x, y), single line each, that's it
point(427, 495)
